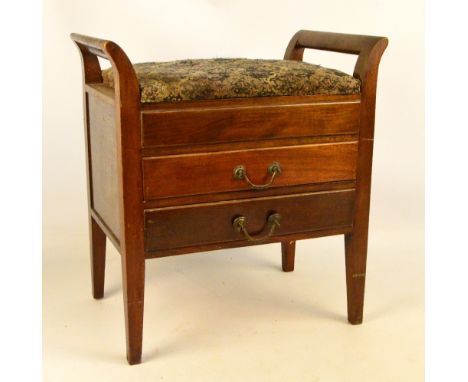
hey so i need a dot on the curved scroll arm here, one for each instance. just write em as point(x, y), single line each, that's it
point(126, 82)
point(126, 87)
point(368, 48)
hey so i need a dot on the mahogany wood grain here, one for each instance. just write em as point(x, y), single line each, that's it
point(230, 124)
point(245, 145)
point(128, 138)
point(98, 258)
point(244, 243)
point(190, 174)
point(369, 50)
point(176, 227)
point(129, 143)
point(288, 254)
point(248, 102)
point(246, 194)
point(356, 242)
point(131, 201)
point(92, 73)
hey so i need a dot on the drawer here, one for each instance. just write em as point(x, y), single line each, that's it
point(208, 125)
point(196, 174)
point(185, 226)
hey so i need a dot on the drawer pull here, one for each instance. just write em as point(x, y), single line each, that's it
point(241, 173)
point(273, 221)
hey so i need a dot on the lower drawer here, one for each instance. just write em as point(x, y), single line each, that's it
point(187, 226)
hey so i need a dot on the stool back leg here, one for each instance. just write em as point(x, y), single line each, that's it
point(98, 257)
point(288, 252)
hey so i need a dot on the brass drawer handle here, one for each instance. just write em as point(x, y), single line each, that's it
point(241, 173)
point(273, 221)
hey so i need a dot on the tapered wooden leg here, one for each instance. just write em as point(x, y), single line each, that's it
point(288, 252)
point(356, 254)
point(98, 258)
point(134, 290)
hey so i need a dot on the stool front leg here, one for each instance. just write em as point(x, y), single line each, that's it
point(133, 272)
point(355, 258)
point(98, 257)
point(369, 50)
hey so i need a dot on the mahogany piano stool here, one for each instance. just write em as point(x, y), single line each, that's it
point(197, 155)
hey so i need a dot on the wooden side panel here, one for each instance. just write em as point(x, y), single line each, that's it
point(175, 227)
point(103, 162)
point(194, 174)
point(230, 124)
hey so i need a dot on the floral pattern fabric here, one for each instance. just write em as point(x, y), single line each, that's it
point(235, 78)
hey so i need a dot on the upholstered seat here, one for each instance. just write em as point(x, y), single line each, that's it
point(235, 78)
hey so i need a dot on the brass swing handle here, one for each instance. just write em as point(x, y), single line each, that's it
point(241, 173)
point(273, 221)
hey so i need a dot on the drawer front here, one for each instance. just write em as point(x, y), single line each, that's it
point(196, 174)
point(186, 226)
point(233, 124)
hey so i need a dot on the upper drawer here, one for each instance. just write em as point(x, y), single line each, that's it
point(195, 174)
point(204, 125)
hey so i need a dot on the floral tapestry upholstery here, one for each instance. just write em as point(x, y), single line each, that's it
point(235, 78)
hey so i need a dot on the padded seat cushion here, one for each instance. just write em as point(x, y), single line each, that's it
point(235, 78)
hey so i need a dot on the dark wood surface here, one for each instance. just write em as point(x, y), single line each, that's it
point(180, 157)
point(288, 255)
point(207, 223)
point(277, 238)
point(189, 174)
point(369, 50)
point(238, 195)
point(245, 145)
point(222, 122)
point(98, 257)
point(130, 201)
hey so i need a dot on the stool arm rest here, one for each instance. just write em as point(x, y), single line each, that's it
point(126, 82)
point(93, 45)
point(368, 48)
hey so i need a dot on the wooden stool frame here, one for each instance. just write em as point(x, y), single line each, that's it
point(122, 137)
